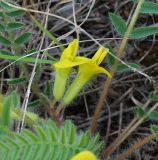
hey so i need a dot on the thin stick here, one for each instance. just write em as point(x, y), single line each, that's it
point(116, 142)
point(136, 146)
point(27, 95)
point(114, 67)
point(119, 140)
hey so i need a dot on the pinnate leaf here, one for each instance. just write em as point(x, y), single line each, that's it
point(23, 38)
point(122, 67)
point(17, 81)
point(5, 115)
point(154, 128)
point(110, 58)
point(140, 112)
point(153, 115)
point(15, 13)
point(15, 25)
point(4, 41)
point(149, 8)
point(143, 32)
point(119, 23)
point(2, 28)
point(153, 97)
point(5, 6)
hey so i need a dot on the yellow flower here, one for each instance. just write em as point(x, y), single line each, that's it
point(85, 155)
point(85, 73)
point(67, 60)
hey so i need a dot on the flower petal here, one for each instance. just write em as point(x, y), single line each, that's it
point(61, 76)
point(70, 51)
point(100, 55)
point(68, 64)
point(90, 69)
point(102, 70)
point(84, 155)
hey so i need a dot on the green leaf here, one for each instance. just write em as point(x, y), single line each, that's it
point(15, 13)
point(122, 67)
point(17, 81)
point(39, 143)
point(1, 98)
point(5, 117)
point(15, 99)
point(48, 89)
point(23, 38)
point(2, 28)
point(45, 99)
point(48, 33)
point(1, 14)
point(10, 101)
point(15, 111)
point(30, 117)
point(119, 23)
point(143, 32)
point(15, 25)
point(34, 103)
point(149, 8)
point(154, 128)
point(6, 55)
point(153, 97)
point(110, 58)
point(4, 41)
point(140, 112)
point(4, 52)
point(5, 6)
point(153, 115)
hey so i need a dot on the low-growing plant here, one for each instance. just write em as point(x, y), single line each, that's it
point(46, 141)
point(59, 139)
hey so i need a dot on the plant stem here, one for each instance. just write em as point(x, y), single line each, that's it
point(60, 108)
point(54, 113)
point(55, 116)
point(136, 146)
point(45, 103)
point(53, 103)
point(119, 54)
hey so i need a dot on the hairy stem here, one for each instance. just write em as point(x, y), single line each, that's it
point(55, 116)
point(119, 54)
point(119, 139)
point(132, 127)
point(136, 146)
point(113, 146)
point(60, 108)
point(49, 106)
point(52, 105)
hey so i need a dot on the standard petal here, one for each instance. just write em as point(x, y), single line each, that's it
point(100, 55)
point(70, 51)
